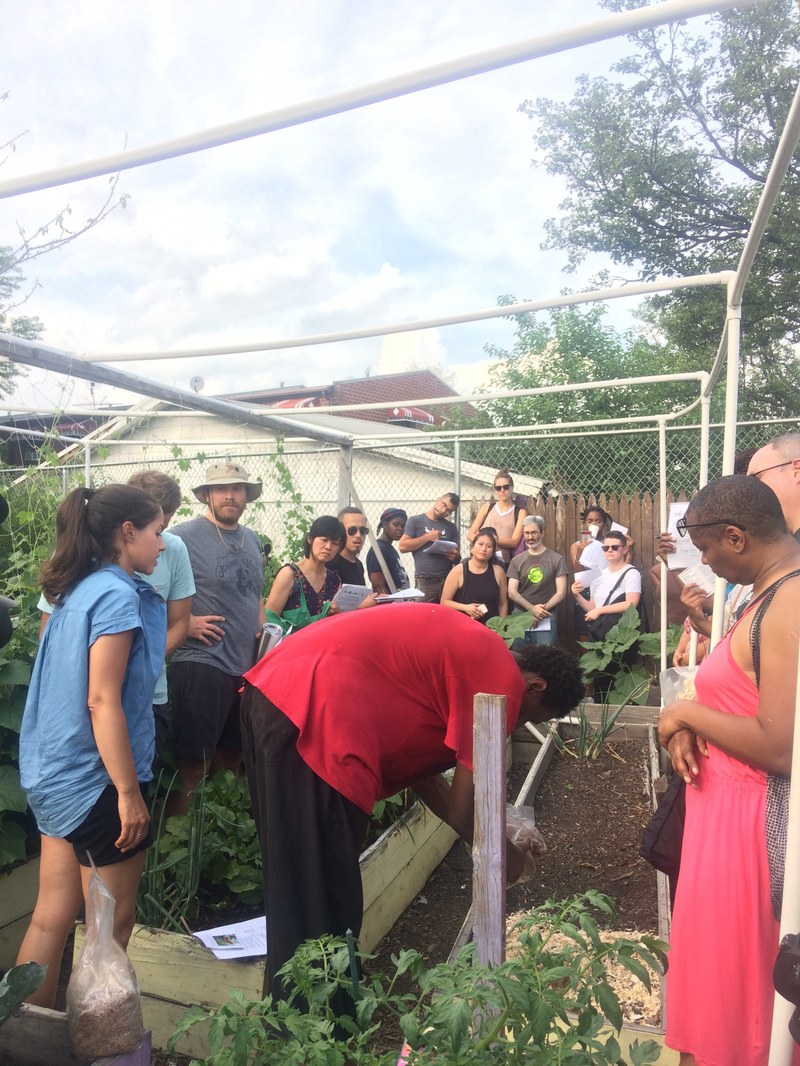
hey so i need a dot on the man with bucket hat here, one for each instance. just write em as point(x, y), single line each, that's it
point(227, 615)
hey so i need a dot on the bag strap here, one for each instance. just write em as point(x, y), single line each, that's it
point(298, 576)
point(763, 601)
point(619, 582)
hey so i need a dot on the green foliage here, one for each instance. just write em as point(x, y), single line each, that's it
point(604, 658)
point(18, 983)
point(297, 516)
point(549, 1003)
point(26, 540)
point(207, 858)
point(575, 346)
point(663, 165)
point(512, 627)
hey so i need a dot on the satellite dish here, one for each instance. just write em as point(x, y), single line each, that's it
point(196, 384)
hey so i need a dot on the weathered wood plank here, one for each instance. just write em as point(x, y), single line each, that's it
point(18, 892)
point(489, 846)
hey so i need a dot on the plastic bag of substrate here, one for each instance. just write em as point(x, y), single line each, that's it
point(104, 1011)
point(677, 683)
point(521, 830)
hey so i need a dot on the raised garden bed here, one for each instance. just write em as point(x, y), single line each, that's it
point(38, 1037)
point(176, 972)
point(18, 891)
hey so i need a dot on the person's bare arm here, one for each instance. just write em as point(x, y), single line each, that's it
point(510, 543)
point(764, 740)
point(480, 519)
point(411, 544)
point(281, 590)
point(502, 584)
point(179, 613)
point(455, 805)
point(516, 596)
point(108, 661)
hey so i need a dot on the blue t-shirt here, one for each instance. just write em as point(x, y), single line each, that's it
point(60, 766)
point(172, 577)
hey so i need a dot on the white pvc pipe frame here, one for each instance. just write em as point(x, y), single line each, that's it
point(781, 1044)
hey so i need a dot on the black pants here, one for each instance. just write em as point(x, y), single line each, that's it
point(311, 838)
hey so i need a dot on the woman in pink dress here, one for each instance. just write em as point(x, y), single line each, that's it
point(724, 742)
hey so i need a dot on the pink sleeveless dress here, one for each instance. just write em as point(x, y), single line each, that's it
point(724, 938)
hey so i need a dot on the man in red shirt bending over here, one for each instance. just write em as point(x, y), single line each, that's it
point(359, 707)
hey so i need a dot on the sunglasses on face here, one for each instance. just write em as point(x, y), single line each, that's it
point(683, 526)
point(612, 547)
point(501, 488)
point(352, 530)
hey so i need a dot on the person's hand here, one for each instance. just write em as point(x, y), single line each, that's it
point(683, 748)
point(539, 611)
point(680, 658)
point(693, 598)
point(134, 819)
point(577, 588)
point(671, 719)
point(665, 545)
point(474, 610)
point(593, 614)
point(203, 627)
point(368, 601)
point(515, 862)
point(333, 608)
point(434, 534)
point(453, 555)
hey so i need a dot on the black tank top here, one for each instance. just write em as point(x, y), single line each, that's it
point(480, 588)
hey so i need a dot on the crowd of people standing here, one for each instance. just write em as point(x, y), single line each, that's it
point(303, 719)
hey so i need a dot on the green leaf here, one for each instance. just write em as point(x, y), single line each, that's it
point(13, 843)
point(609, 1004)
point(12, 798)
point(17, 985)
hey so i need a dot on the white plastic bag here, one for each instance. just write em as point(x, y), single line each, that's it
point(522, 832)
point(104, 1010)
point(677, 683)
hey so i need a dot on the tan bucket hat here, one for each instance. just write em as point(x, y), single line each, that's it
point(228, 473)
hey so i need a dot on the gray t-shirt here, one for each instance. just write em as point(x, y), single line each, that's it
point(229, 576)
point(537, 574)
point(426, 563)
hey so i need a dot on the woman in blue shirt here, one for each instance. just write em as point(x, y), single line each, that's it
point(86, 743)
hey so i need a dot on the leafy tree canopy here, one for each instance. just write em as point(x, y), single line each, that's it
point(664, 164)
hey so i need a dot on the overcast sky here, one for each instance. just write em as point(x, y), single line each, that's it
point(418, 207)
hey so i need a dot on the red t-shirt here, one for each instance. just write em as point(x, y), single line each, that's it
point(383, 696)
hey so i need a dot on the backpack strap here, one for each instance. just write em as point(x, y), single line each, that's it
point(763, 601)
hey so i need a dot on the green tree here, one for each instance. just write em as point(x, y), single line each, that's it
point(574, 346)
point(664, 164)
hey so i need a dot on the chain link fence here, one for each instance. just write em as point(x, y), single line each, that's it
point(558, 474)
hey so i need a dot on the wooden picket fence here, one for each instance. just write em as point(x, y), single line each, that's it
point(563, 524)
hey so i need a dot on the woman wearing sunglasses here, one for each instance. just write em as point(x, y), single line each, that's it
point(618, 587)
point(503, 513)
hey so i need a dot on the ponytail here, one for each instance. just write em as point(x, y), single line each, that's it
point(87, 524)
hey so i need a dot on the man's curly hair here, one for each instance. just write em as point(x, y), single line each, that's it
point(565, 684)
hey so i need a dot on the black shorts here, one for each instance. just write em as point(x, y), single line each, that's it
point(205, 710)
point(96, 834)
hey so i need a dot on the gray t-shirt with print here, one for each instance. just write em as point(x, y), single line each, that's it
point(537, 574)
point(229, 576)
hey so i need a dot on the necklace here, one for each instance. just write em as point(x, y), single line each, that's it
point(228, 545)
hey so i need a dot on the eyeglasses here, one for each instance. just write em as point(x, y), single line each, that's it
point(758, 473)
point(502, 488)
point(683, 526)
point(352, 530)
point(613, 547)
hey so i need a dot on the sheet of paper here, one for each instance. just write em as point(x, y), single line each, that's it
point(351, 596)
point(685, 553)
point(701, 575)
point(544, 625)
point(242, 940)
point(620, 529)
point(400, 596)
point(586, 577)
point(439, 547)
point(593, 557)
